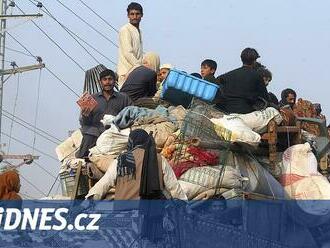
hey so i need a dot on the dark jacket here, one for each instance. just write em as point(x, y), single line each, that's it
point(241, 89)
point(272, 98)
point(141, 82)
point(211, 79)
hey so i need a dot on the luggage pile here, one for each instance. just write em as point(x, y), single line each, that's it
point(211, 154)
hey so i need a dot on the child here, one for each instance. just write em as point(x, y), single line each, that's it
point(208, 68)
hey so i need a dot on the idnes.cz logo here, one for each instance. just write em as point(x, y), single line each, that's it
point(46, 219)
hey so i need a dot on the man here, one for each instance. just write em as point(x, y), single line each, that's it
point(130, 42)
point(242, 87)
point(288, 97)
point(208, 68)
point(108, 102)
point(267, 77)
point(164, 70)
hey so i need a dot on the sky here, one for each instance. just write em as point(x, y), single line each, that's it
point(292, 38)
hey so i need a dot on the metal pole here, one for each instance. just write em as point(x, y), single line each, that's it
point(3, 5)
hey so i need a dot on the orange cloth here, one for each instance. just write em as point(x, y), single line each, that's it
point(9, 186)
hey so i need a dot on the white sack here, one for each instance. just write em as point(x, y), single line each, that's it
point(258, 120)
point(111, 142)
point(68, 148)
point(232, 128)
point(201, 179)
point(300, 177)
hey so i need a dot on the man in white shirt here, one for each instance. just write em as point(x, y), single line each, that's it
point(130, 43)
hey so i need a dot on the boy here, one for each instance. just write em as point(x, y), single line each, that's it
point(208, 68)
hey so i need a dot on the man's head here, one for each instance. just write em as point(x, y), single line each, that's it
point(249, 56)
point(107, 80)
point(164, 70)
point(208, 67)
point(265, 74)
point(134, 13)
point(289, 96)
point(318, 108)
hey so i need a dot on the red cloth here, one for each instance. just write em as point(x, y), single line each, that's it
point(203, 157)
point(200, 158)
point(9, 186)
point(304, 108)
point(288, 179)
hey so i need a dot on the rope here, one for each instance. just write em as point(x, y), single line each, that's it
point(31, 128)
point(83, 3)
point(66, 85)
point(88, 24)
point(21, 44)
point(54, 42)
point(60, 80)
point(93, 48)
point(36, 112)
point(41, 167)
point(255, 159)
point(35, 187)
point(69, 32)
point(222, 170)
point(21, 142)
point(17, 51)
point(58, 186)
point(28, 197)
point(14, 111)
point(17, 25)
point(50, 190)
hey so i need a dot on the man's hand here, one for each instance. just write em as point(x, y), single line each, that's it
point(85, 111)
point(86, 103)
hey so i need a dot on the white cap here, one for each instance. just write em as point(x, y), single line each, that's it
point(166, 66)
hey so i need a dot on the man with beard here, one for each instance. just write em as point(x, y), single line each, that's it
point(109, 102)
point(288, 97)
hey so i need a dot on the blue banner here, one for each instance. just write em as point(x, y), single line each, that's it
point(231, 223)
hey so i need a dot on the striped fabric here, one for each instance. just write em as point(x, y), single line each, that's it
point(92, 84)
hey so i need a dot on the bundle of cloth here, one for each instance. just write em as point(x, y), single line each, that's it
point(304, 108)
point(182, 157)
point(161, 122)
point(198, 170)
point(245, 127)
point(139, 173)
point(300, 177)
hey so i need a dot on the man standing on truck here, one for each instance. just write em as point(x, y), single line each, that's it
point(130, 42)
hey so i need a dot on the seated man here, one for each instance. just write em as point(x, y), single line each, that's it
point(288, 98)
point(243, 87)
point(142, 80)
point(108, 102)
point(164, 70)
point(267, 77)
point(208, 68)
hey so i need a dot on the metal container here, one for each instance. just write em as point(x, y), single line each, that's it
point(67, 179)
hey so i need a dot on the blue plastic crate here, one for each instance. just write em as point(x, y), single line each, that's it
point(189, 84)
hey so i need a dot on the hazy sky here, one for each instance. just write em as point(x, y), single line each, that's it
point(292, 38)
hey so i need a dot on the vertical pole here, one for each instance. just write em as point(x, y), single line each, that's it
point(3, 10)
